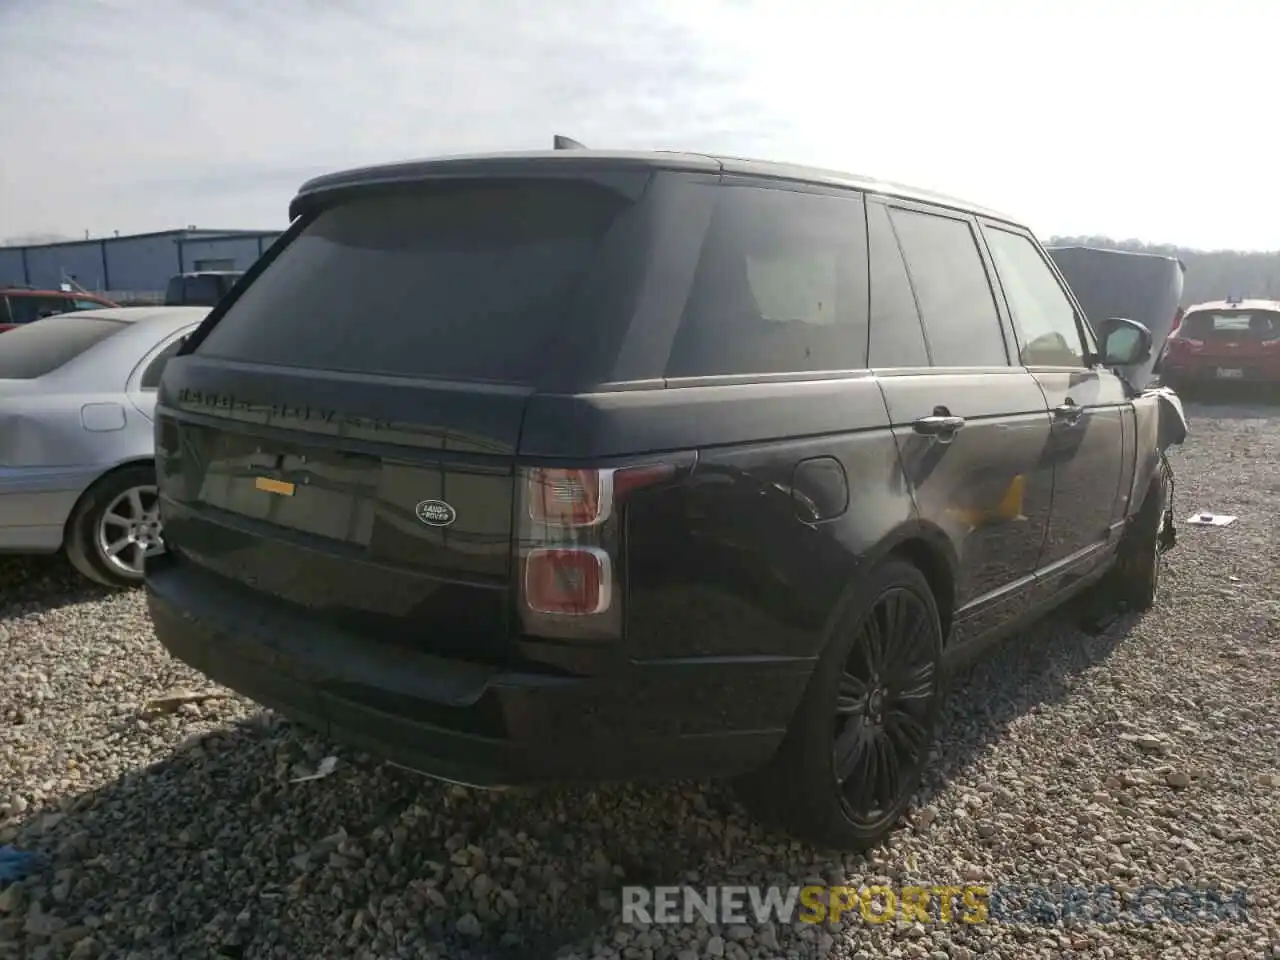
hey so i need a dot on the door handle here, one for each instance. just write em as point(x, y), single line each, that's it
point(1068, 412)
point(943, 426)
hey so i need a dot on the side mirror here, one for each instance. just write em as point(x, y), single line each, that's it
point(1124, 342)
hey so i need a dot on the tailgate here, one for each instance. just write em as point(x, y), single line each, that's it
point(389, 525)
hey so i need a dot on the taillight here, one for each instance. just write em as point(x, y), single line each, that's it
point(572, 543)
point(568, 581)
point(575, 498)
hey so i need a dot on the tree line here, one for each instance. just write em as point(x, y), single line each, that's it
point(1211, 274)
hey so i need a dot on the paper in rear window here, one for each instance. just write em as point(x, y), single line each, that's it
point(466, 281)
point(35, 349)
point(1240, 324)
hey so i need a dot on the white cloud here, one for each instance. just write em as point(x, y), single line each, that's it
point(1090, 117)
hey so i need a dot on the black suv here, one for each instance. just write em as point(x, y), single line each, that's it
point(579, 465)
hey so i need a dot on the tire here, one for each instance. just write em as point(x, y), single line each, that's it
point(1135, 578)
point(801, 789)
point(120, 507)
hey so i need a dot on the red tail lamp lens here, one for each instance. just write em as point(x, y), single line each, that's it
point(569, 497)
point(567, 581)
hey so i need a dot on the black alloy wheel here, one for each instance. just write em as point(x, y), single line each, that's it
point(860, 740)
point(884, 701)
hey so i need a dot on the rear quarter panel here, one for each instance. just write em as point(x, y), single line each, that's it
point(747, 556)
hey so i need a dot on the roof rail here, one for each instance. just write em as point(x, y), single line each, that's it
point(567, 143)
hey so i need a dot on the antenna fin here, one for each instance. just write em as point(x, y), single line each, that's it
point(567, 143)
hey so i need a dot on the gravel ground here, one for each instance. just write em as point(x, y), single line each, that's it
point(1148, 754)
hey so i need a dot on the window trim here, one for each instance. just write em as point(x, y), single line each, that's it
point(1083, 330)
point(884, 206)
point(133, 384)
point(973, 222)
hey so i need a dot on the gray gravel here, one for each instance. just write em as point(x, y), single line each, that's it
point(1149, 754)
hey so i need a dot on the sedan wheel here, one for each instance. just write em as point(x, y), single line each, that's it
point(116, 526)
point(129, 530)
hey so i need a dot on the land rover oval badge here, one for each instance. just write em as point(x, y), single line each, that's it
point(435, 513)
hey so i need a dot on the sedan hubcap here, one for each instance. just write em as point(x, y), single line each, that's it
point(884, 706)
point(130, 530)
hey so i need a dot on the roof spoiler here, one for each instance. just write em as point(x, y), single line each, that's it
point(567, 143)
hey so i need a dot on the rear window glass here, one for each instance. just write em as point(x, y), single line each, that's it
point(38, 348)
point(28, 307)
point(1251, 324)
point(466, 282)
point(781, 287)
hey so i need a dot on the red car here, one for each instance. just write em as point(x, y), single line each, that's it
point(19, 305)
point(1232, 340)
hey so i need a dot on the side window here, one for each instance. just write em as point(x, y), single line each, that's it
point(1043, 317)
point(781, 287)
point(151, 375)
point(87, 305)
point(52, 306)
point(897, 339)
point(952, 289)
point(24, 308)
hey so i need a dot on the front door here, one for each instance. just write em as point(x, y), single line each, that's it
point(1087, 404)
point(971, 428)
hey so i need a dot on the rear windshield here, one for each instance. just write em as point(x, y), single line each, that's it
point(1240, 324)
point(467, 282)
point(38, 348)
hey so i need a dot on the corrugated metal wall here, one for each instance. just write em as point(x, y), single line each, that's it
point(136, 264)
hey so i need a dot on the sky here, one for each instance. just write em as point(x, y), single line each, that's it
point(1126, 118)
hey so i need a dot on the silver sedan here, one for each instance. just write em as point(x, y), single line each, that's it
point(77, 467)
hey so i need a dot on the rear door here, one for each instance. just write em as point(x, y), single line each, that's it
point(972, 428)
point(342, 438)
point(1089, 406)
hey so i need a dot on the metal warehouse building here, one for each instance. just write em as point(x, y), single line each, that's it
point(132, 268)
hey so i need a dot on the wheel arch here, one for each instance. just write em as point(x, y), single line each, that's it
point(148, 462)
point(926, 547)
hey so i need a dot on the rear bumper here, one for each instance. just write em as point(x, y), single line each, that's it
point(35, 503)
point(471, 723)
point(1209, 370)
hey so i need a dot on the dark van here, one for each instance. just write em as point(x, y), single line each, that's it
point(578, 466)
point(200, 289)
